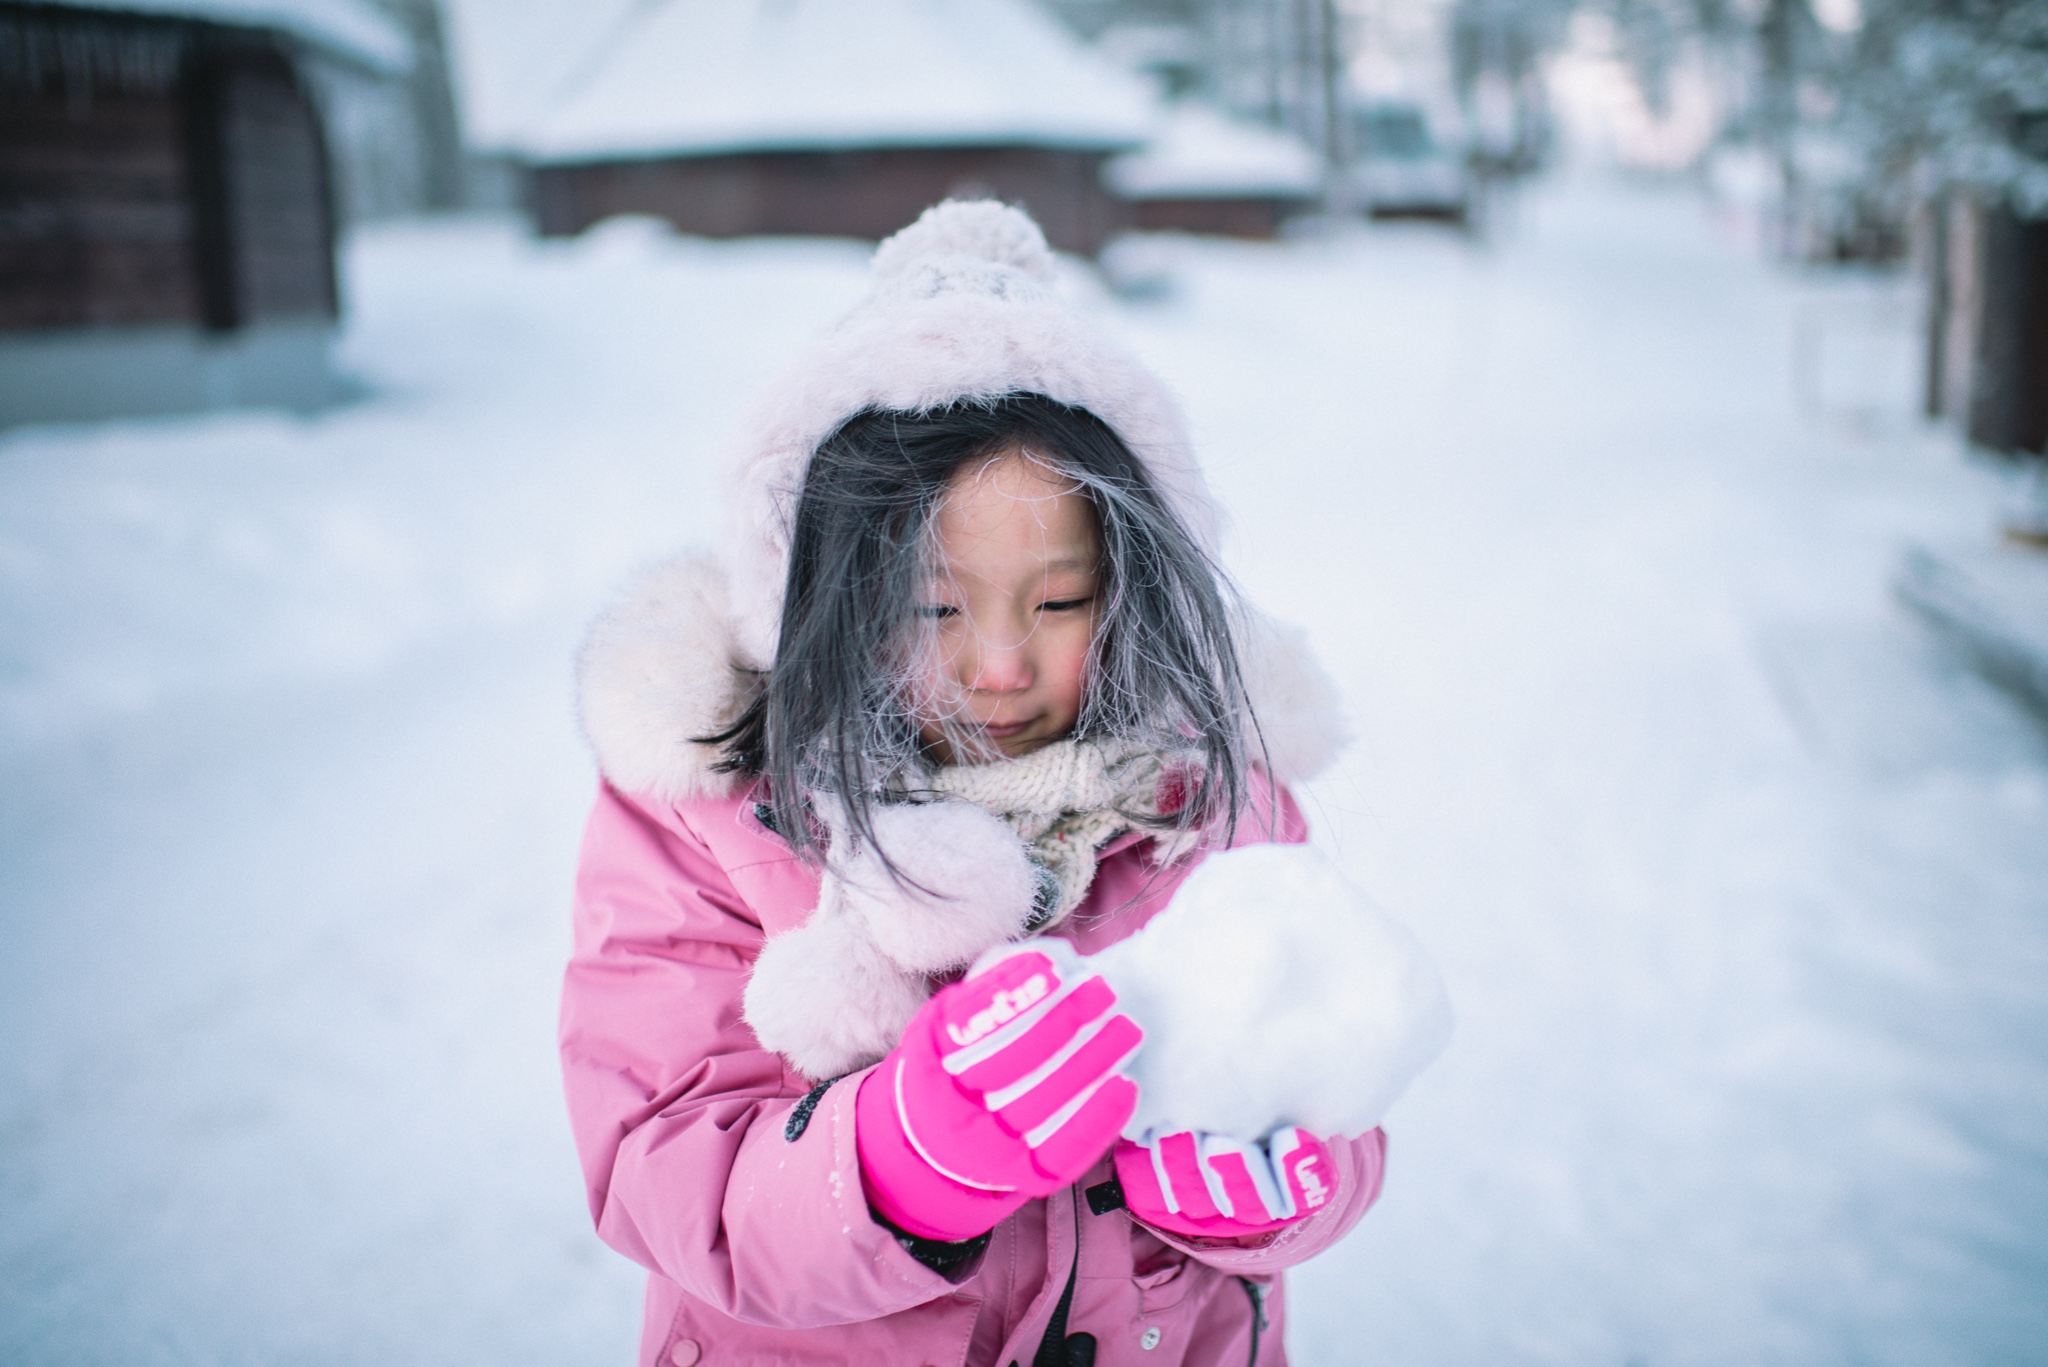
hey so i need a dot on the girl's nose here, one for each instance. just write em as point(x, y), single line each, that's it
point(1000, 669)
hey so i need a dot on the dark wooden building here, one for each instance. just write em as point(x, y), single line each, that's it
point(863, 192)
point(1207, 172)
point(1987, 321)
point(167, 227)
point(837, 117)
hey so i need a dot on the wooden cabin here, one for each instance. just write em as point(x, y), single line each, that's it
point(842, 118)
point(1205, 171)
point(167, 226)
point(866, 192)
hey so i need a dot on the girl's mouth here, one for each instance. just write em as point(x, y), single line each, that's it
point(1003, 730)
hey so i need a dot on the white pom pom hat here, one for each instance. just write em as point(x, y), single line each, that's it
point(964, 305)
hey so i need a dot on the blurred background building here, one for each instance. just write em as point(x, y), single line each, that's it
point(168, 198)
point(730, 118)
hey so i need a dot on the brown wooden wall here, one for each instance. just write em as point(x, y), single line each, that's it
point(264, 226)
point(1986, 334)
point(156, 171)
point(864, 194)
point(1258, 219)
point(2009, 392)
point(95, 219)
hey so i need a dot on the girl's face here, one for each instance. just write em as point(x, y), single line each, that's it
point(1013, 609)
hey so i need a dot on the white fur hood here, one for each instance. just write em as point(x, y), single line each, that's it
point(964, 304)
point(963, 307)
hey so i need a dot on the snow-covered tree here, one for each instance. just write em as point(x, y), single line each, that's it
point(1498, 49)
point(1962, 84)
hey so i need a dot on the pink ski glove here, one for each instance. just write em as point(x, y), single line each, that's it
point(1196, 1183)
point(1006, 1088)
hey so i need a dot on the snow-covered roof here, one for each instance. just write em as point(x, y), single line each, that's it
point(1199, 152)
point(350, 28)
point(706, 76)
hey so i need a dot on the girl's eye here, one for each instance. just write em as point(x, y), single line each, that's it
point(937, 611)
point(1065, 604)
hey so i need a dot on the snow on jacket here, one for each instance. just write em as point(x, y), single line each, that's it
point(751, 1222)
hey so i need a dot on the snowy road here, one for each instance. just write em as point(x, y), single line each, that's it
point(1741, 889)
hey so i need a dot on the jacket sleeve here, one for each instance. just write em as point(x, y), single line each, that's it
point(679, 1113)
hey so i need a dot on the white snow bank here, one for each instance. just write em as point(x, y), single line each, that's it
point(145, 563)
point(1202, 153)
point(741, 75)
point(1272, 993)
point(1991, 603)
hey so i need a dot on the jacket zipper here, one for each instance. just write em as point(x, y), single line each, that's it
point(1258, 1295)
point(1059, 1348)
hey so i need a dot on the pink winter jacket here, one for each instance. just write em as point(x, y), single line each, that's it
point(750, 1218)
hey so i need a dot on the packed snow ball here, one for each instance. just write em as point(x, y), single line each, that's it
point(1272, 992)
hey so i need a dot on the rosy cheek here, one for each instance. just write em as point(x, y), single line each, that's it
point(1072, 665)
point(935, 671)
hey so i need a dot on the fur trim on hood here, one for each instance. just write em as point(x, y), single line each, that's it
point(658, 672)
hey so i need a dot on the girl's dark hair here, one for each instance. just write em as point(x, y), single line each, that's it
point(835, 713)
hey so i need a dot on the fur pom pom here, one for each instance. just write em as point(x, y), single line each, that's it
point(976, 246)
point(835, 994)
point(825, 998)
point(978, 885)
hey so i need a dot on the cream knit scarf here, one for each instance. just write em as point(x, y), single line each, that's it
point(1066, 801)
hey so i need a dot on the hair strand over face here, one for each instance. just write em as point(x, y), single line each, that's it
point(839, 711)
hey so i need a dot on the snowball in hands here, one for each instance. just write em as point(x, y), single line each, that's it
point(1272, 993)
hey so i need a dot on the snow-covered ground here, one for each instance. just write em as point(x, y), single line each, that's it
point(1741, 888)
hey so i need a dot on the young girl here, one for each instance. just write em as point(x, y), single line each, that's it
point(962, 701)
